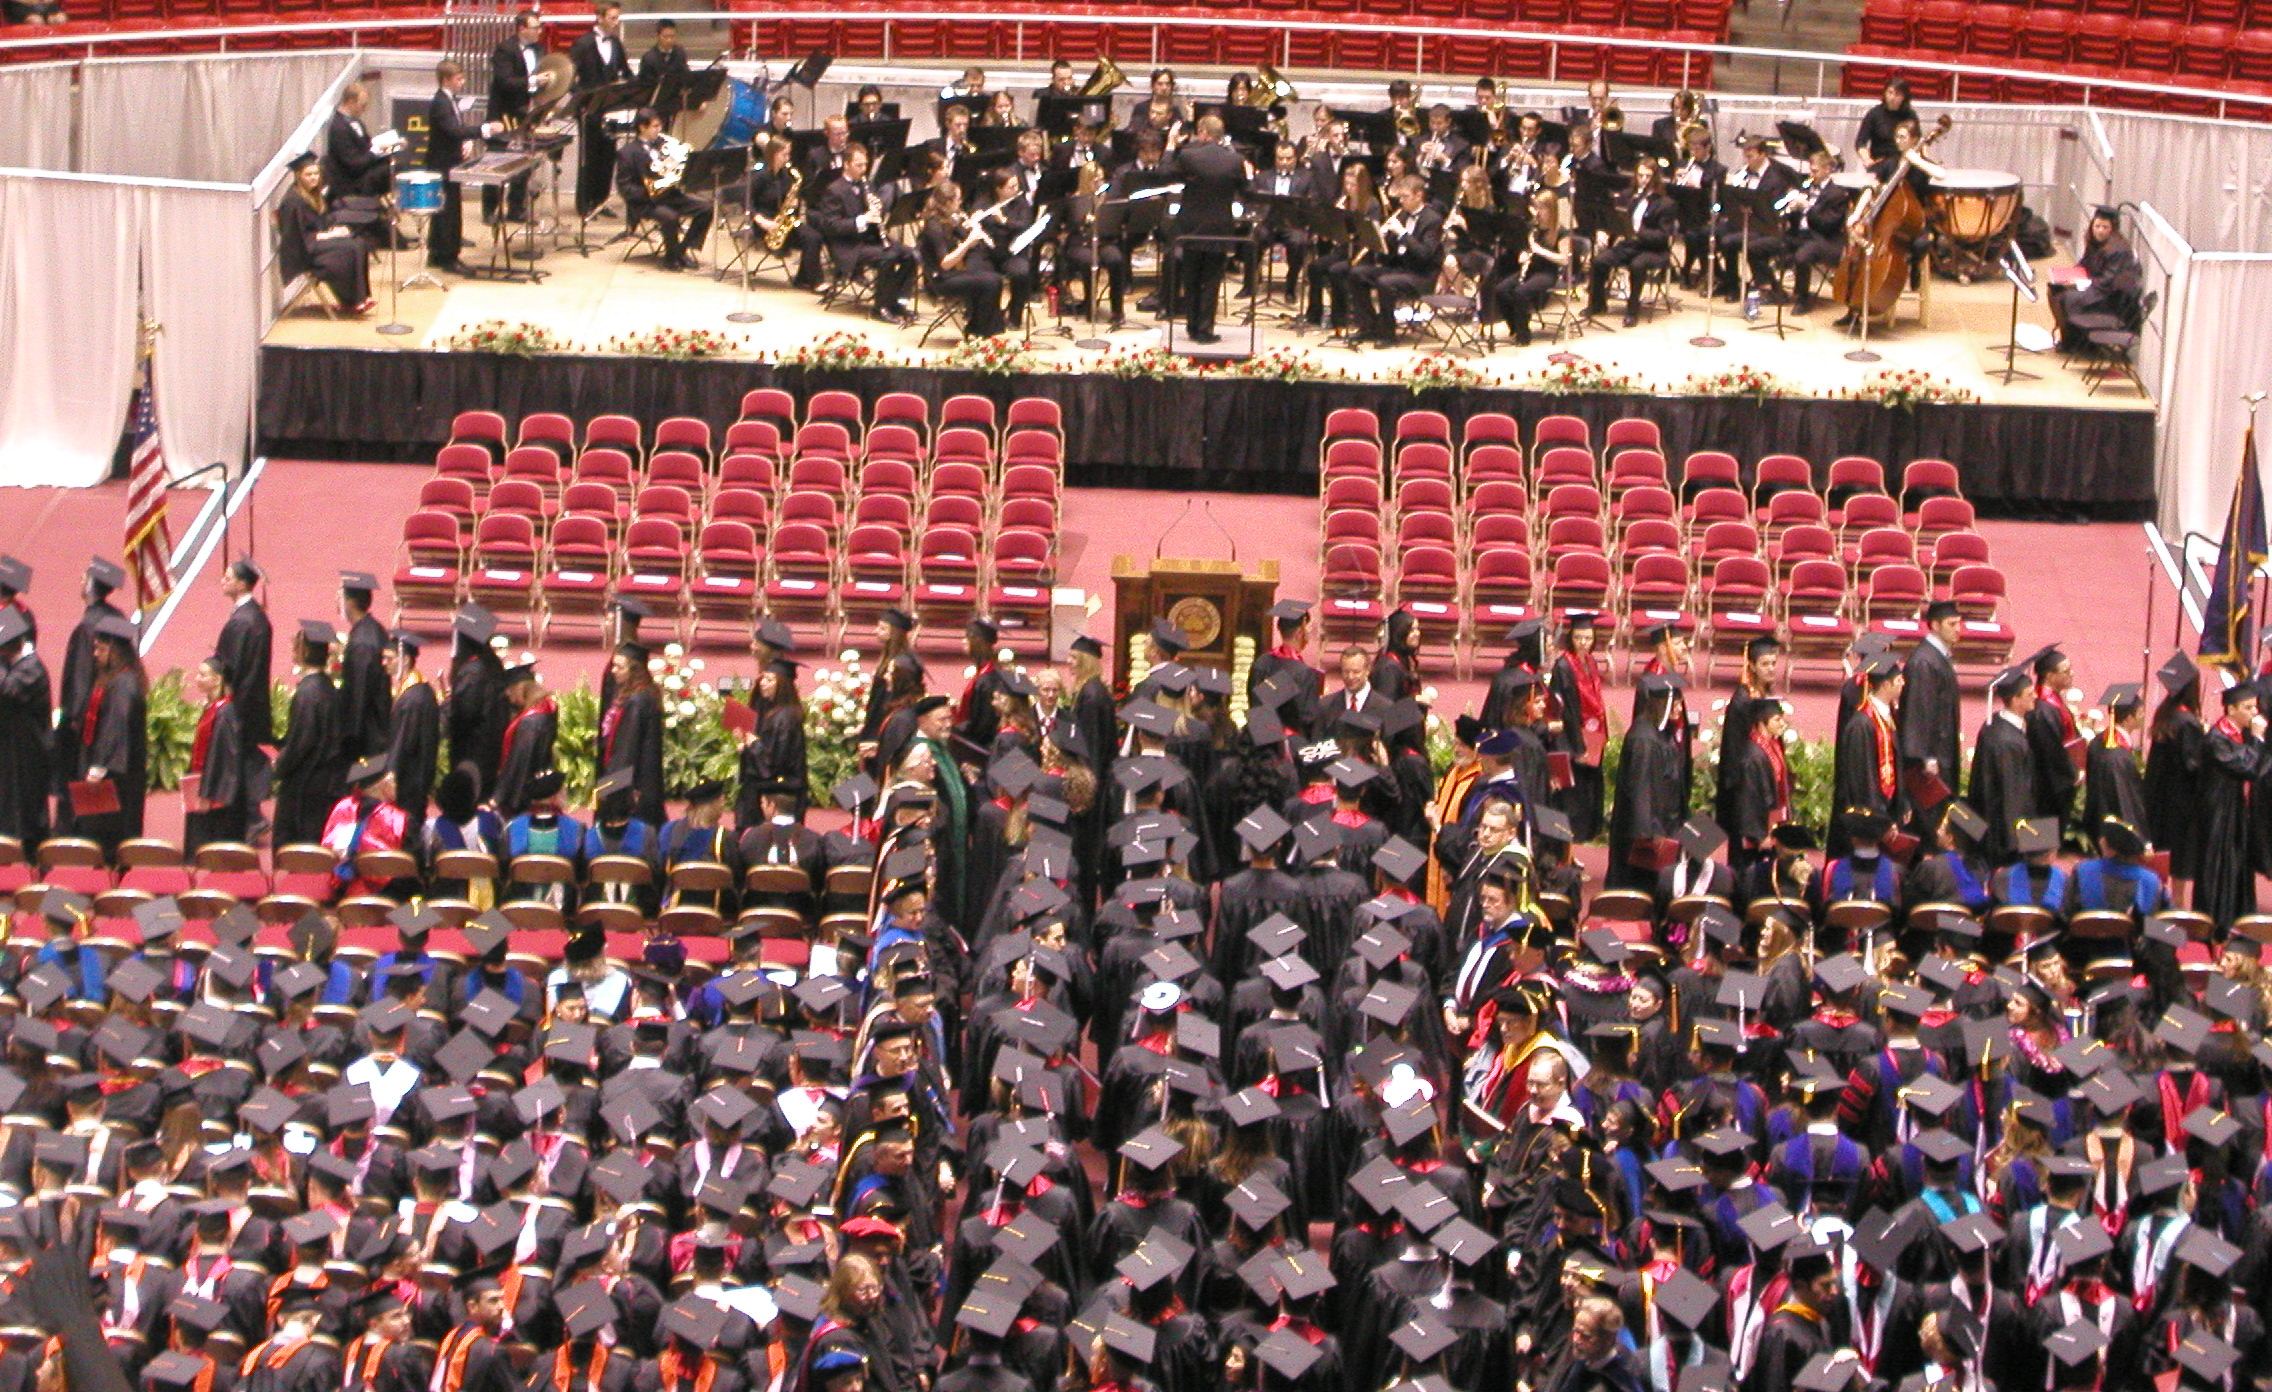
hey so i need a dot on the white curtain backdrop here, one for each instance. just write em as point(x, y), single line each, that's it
point(45, 142)
point(202, 281)
point(2213, 179)
point(67, 321)
point(230, 115)
point(2218, 328)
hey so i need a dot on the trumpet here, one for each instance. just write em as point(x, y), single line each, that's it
point(1433, 155)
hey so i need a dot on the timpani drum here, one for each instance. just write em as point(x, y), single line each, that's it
point(1975, 206)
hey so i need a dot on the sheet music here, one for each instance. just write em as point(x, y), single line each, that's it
point(1161, 191)
point(1030, 235)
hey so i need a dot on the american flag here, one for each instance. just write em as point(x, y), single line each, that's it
point(149, 541)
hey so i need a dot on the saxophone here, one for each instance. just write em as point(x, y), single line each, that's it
point(792, 212)
point(669, 166)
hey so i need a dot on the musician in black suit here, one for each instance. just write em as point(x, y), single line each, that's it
point(1759, 171)
point(1644, 244)
point(512, 68)
point(1701, 170)
point(1442, 147)
point(950, 153)
point(1090, 247)
point(447, 133)
point(1213, 176)
point(1821, 236)
point(683, 219)
point(822, 167)
point(1033, 162)
point(1284, 179)
point(600, 59)
point(512, 78)
point(850, 220)
point(665, 71)
point(1411, 254)
point(1594, 184)
point(1082, 149)
point(1010, 215)
point(350, 169)
point(957, 261)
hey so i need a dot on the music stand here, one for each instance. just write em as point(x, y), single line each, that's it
point(588, 109)
point(1624, 149)
point(1757, 206)
point(1473, 126)
point(1799, 141)
point(806, 71)
point(2014, 264)
point(1375, 130)
point(1703, 204)
point(883, 137)
point(715, 168)
point(698, 89)
point(1056, 113)
point(1117, 209)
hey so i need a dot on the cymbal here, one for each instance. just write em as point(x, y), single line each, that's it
point(555, 77)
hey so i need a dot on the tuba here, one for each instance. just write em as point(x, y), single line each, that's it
point(792, 212)
point(1271, 89)
point(1104, 78)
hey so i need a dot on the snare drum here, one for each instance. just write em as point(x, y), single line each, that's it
point(418, 191)
point(745, 114)
point(1975, 206)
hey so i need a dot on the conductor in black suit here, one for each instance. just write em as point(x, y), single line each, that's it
point(1213, 175)
point(512, 68)
point(447, 133)
point(600, 59)
point(350, 170)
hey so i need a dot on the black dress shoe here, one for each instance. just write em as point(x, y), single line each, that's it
point(1631, 318)
point(1847, 320)
point(1204, 336)
point(1150, 304)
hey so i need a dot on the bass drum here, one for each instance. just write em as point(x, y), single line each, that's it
point(741, 114)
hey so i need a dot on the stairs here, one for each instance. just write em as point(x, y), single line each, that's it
point(1822, 26)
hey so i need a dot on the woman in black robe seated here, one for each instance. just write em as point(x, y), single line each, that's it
point(312, 240)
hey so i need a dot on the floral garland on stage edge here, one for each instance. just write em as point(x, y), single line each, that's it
point(1907, 390)
point(1739, 382)
point(676, 345)
point(507, 339)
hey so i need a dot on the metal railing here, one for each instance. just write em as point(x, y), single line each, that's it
point(1028, 29)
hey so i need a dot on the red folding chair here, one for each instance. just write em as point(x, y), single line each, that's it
point(579, 567)
point(687, 433)
point(949, 572)
point(1563, 465)
point(1579, 582)
point(751, 471)
point(1025, 571)
point(1983, 634)
point(969, 412)
point(428, 565)
point(801, 574)
point(755, 437)
point(502, 565)
point(1500, 592)
point(451, 495)
point(1738, 603)
point(615, 432)
point(655, 564)
point(1561, 430)
point(874, 575)
point(1816, 621)
point(1351, 593)
point(1493, 464)
point(773, 406)
point(838, 408)
point(1427, 587)
point(728, 579)
point(1631, 432)
point(1802, 543)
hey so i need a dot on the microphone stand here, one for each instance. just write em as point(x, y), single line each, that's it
point(1708, 339)
point(1095, 342)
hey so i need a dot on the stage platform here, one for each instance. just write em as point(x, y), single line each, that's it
point(340, 389)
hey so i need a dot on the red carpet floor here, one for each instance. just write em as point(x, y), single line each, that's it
point(2082, 585)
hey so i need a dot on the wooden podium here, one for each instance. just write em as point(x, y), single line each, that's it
point(1214, 602)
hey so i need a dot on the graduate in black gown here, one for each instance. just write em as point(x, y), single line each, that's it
point(1581, 725)
point(414, 730)
point(2235, 758)
point(475, 713)
point(1290, 621)
point(114, 735)
point(631, 732)
point(76, 681)
point(2114, 779)
point(27, 711)
point(2003, 790)
point(1867, 771)
point(897, 670)
point(529, 741)
point(313, 239)
point(245, 648)
point(2053, 734)
point(1651, 799)
point(1929, 717)
point(2173, 772)
point(776, 754)
point(311, 768)
point(366, 702)
point(218, 807)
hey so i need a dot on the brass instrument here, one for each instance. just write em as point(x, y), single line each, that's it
point(792, 212)
point(669, 166)
point(1407, 122)
point(1613, 118)
point(1271, 90)
point(1106, 77)
point(1433, 154)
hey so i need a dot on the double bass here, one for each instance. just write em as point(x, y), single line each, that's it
point(1880, 233)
